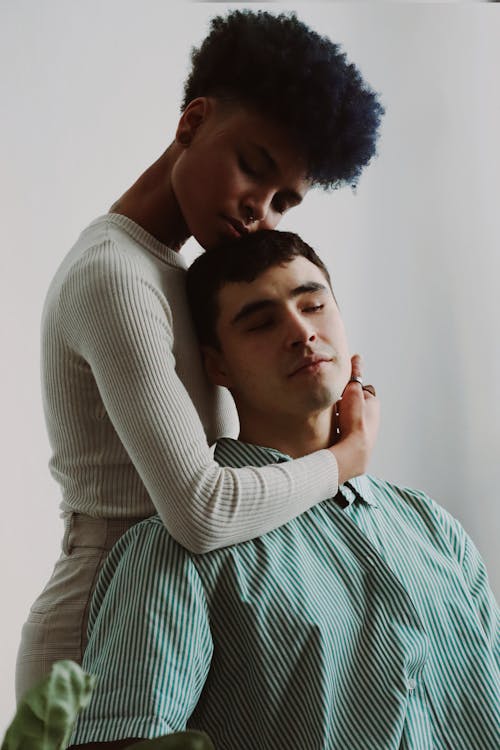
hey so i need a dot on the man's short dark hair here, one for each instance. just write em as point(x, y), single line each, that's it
point(278, 66)
point(240, 261)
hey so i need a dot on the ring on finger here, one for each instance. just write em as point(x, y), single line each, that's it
point(356, 379)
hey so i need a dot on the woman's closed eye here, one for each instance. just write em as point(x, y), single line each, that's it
point(280, 206)
point(247, 168)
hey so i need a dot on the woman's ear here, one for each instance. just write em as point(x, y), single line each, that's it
point(193, 116)
point(215, 366)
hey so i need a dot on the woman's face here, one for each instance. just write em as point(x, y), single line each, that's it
point(237, 172)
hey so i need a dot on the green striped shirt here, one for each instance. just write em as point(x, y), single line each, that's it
point(367, 622)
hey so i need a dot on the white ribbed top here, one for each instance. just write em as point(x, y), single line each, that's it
point(129, 409)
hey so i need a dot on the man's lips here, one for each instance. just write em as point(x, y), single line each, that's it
point(238, 228)
point(309, 364)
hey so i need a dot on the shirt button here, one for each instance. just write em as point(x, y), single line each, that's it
point(411, 684)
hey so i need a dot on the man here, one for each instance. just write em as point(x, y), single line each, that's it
point(366, 622)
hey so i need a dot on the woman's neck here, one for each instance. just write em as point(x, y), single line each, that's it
point(151, 203)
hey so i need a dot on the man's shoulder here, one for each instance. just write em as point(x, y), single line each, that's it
point(145, 552)
point(385, 488)
point(151, 528)
point(147, 540)
point(415, 505)
point(395, 494)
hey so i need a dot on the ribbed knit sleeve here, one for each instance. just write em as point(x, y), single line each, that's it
point(120, 324)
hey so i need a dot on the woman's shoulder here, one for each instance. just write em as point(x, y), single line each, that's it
point(115, 247)
point(108, 279)
point(131, 241)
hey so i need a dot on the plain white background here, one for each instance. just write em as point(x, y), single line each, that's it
point(90, 95)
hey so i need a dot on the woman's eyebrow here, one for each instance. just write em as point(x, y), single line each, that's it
point(264, 153)
point(292, 196)
point(261, 304)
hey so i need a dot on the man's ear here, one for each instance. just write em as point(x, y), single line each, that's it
point(193, 116)
point(215, 366)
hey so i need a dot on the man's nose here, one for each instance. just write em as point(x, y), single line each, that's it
point(300, 332)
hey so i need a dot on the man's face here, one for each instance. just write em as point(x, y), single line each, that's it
point(237, 165)
point(283, 347)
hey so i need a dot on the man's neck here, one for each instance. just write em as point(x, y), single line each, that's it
point(295, 436)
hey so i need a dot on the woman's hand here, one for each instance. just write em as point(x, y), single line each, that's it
point(357, 420)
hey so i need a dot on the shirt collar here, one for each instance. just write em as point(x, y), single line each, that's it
point(229, 452)
point(359, 488)
point(234, 453)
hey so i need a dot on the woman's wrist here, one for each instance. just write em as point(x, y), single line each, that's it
point(352, 457)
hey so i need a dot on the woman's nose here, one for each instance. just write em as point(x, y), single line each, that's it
point(257, 209)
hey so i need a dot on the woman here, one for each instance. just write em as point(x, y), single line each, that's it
point(270, 109)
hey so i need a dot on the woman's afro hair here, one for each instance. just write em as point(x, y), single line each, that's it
point(279, 67)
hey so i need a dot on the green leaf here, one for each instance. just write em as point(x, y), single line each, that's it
point(190, 740)
point(47, 713)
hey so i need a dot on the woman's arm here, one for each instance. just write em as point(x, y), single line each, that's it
point(121, 325)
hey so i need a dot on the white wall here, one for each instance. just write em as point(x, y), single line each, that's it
point(89, 94)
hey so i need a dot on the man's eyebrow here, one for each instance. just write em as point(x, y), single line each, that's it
point(309, 286)
point(262, 304)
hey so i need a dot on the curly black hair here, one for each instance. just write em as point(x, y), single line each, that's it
point(234, 261)
point(280, 67)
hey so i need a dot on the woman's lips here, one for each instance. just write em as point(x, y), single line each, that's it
point(237, 228)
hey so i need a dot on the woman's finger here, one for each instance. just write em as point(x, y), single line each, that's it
point(356, 374)
point(356, 366)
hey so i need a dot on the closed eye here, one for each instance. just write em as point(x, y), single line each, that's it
point(313, 308)
point(246, 167)
point(261, 325)
point(280, 207)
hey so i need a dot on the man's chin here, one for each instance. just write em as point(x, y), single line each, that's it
point(321, 399)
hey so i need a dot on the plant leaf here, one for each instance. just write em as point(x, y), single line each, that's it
point(47, 713)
